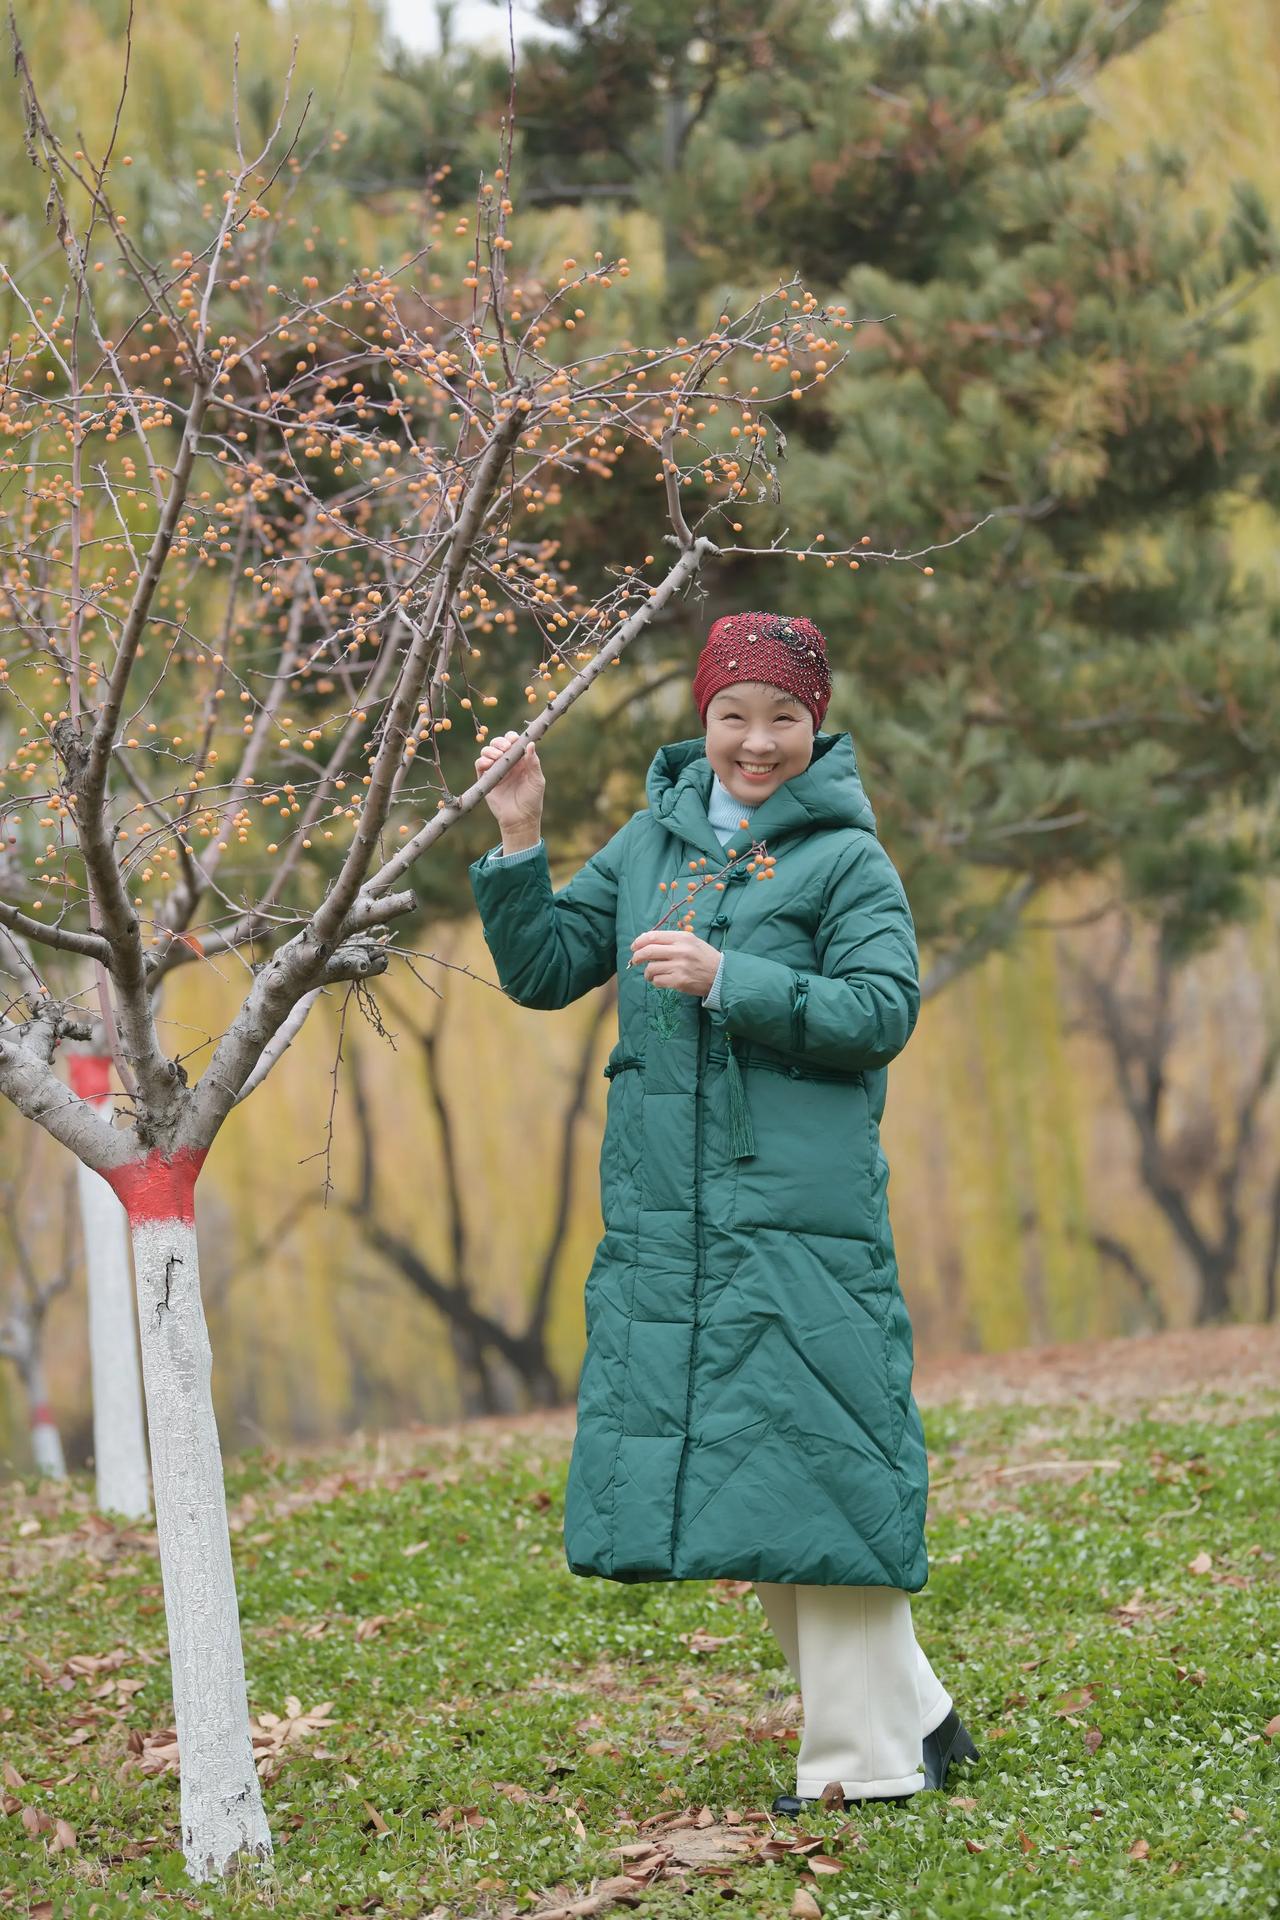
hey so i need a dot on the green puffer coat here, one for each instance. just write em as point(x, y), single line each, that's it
point(745, 1405)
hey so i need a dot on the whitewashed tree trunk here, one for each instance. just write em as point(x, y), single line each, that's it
point(119, 1442)
point(222, 1814)
point(20, 1334)
point(46, 1441)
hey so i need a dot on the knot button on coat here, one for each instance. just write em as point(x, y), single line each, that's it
point(745, 1406)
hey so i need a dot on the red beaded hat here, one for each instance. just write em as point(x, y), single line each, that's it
point(771, 649)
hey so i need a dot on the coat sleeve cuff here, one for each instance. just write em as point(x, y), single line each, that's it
point(711, 999)
point(497, 858)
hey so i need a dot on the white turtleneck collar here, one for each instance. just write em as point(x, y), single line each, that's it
point(725, 811)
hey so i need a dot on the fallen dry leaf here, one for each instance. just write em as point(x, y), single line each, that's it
point(271, 1733)
point(1272, 1728)
point(703, 1642)
point(728, 1592)
point(87, 1664)
point(375, 1818)
point(1202, 1563)
point(1140, 1849)
point(370, 1628)
point(974, 1846)
point(618, 1888)
point(824, 1863)
point(653, 1862)
point(152, 1753)
point(804, 1906)
point(64, 1837)
point(1092, 1739)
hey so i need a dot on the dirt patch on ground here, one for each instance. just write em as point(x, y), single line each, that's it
point(1159, 1373)
point(1144, 1372)
point(1148, 1372)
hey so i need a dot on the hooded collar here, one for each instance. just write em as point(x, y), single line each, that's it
point(829, 793)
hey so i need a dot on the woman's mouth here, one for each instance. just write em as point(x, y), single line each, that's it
point(752, 770)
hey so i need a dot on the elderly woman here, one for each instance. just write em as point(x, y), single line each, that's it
point(745, 1406)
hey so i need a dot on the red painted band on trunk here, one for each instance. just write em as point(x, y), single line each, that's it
point(90, 1075)
point(41, 1416)
point(159, 1188)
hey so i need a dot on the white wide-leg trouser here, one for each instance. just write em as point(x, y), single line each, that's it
point(869, 1693)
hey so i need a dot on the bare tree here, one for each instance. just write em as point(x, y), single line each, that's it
point(490, 1355)
point(1137, 1022)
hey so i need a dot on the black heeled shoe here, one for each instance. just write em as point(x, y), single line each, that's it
point(788, 1803)
point(949, 1741)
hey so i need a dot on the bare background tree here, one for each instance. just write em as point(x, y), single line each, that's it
point(500, 1366)
point(1197, 1170)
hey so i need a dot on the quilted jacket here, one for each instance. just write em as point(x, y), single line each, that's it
point(745, 1407)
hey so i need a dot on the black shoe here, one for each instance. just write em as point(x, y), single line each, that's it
point(788, 1803)
point(948, 1741)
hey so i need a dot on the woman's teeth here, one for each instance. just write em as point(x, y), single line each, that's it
point(749, 766)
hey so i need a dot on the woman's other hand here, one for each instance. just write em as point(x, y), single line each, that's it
point(672, 959)
point(516, 801)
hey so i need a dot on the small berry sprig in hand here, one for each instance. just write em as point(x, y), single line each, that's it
point(679, 959)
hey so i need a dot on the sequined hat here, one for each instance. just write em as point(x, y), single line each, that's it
point(770, 648)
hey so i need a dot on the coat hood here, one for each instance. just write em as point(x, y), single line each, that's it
point(829, 793)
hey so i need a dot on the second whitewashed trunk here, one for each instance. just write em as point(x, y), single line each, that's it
point(119, 1442)
point(46, 1441)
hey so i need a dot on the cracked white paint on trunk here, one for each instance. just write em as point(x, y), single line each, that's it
point(119, 1443)
point(222, 1813)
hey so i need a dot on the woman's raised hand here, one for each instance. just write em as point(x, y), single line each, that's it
point(516, 801)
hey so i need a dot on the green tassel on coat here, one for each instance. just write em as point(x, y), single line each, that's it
point(742, 1141)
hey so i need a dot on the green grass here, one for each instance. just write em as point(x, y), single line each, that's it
point(508, 1723)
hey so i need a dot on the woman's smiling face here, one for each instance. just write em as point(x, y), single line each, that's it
point(757, 737)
